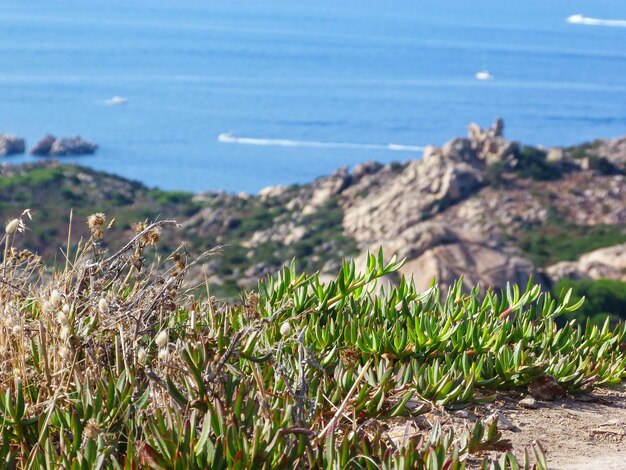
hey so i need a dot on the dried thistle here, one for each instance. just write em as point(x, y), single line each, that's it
point(96, 221)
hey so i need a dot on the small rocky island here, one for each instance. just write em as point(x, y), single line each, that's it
point(11, 145)
point(64, 146)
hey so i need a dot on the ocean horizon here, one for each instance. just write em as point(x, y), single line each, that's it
point(204, 95)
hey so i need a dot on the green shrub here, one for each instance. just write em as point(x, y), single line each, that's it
point(604, 166)
point(531, 163)
point(557, 240)
point(604, 298)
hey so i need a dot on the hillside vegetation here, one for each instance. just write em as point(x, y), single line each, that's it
point(479, 207)
point(109, 362)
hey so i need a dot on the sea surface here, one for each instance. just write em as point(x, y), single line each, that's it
point(302, 87)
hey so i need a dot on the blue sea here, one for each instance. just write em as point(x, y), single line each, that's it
point(296, 89)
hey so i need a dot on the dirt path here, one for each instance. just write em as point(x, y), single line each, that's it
point(583, 433)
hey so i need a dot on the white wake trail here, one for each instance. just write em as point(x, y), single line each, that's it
point(228, 138)
point(580, 19)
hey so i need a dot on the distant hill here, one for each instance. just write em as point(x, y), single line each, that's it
point(480, 206)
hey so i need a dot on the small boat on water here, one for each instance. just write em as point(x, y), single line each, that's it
point(116, 101)
point(484, 75)
point(227, 137)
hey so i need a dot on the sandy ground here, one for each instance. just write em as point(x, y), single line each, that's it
point(586, 432)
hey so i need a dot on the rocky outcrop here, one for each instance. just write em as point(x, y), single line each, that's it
point(11, 145)
point(444, 217)
point(435, 250)
point(605, 263)
point(43, 146)
point(472, 261)
point(65, 146)
point(403, 212)
point(445, 176)
point(480, 207)
point(613, 150)
point(327, 188)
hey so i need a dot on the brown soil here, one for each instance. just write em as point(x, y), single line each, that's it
point(586, 432)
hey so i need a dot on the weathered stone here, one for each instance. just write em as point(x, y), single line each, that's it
point(367, 168)
point(272, 191)
point(504, 423)
point(555, 154)
point(43, 146)
point(545, 388)
point(11, 145)
point(72, 146)
point(326, 188)
point(65, 146)
point(529, 402)
point(604, 263)
point(472, 261)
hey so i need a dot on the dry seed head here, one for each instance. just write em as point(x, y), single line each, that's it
point(103, 306)
point(140, 227)
point(92, 429)
point(285, 329)
point(55, 298)
point(17, 330)
point(13, 226)
point(163, 354)
point(65, 332)
point(96, 221)
point(47, 306)
point(141, 356)
point(161, 339)
point(66, 309)
point(64, 352)
point(62, 318)
point(25, 254)
point(152, 237)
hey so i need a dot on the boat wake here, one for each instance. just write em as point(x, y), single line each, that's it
point(580, 19)
point(229, 138)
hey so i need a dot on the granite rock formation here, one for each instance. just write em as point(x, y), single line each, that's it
point(11, 145)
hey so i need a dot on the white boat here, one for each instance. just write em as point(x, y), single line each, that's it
point(227, 137)
point(586, 20)
point(484, 75)
point(116, 101)
point(576, 19)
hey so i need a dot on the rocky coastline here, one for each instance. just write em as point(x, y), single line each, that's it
point(64, 146)
point(479, 207)
point(49, 145)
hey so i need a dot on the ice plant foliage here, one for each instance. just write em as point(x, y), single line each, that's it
point(109, 363)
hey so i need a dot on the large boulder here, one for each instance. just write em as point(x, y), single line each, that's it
point(604, 263)
point(474, 262)
point(72, 146)
point(43, 146)
point(429, 213)
point(422, 189)
point(64, 146)
point(326, 188)
point(11, 145)
point(380, 208)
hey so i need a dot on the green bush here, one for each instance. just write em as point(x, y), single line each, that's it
point(604, 297)
point(558, 240)
point(532, 163)
point(604, 166)
point(106, 365)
